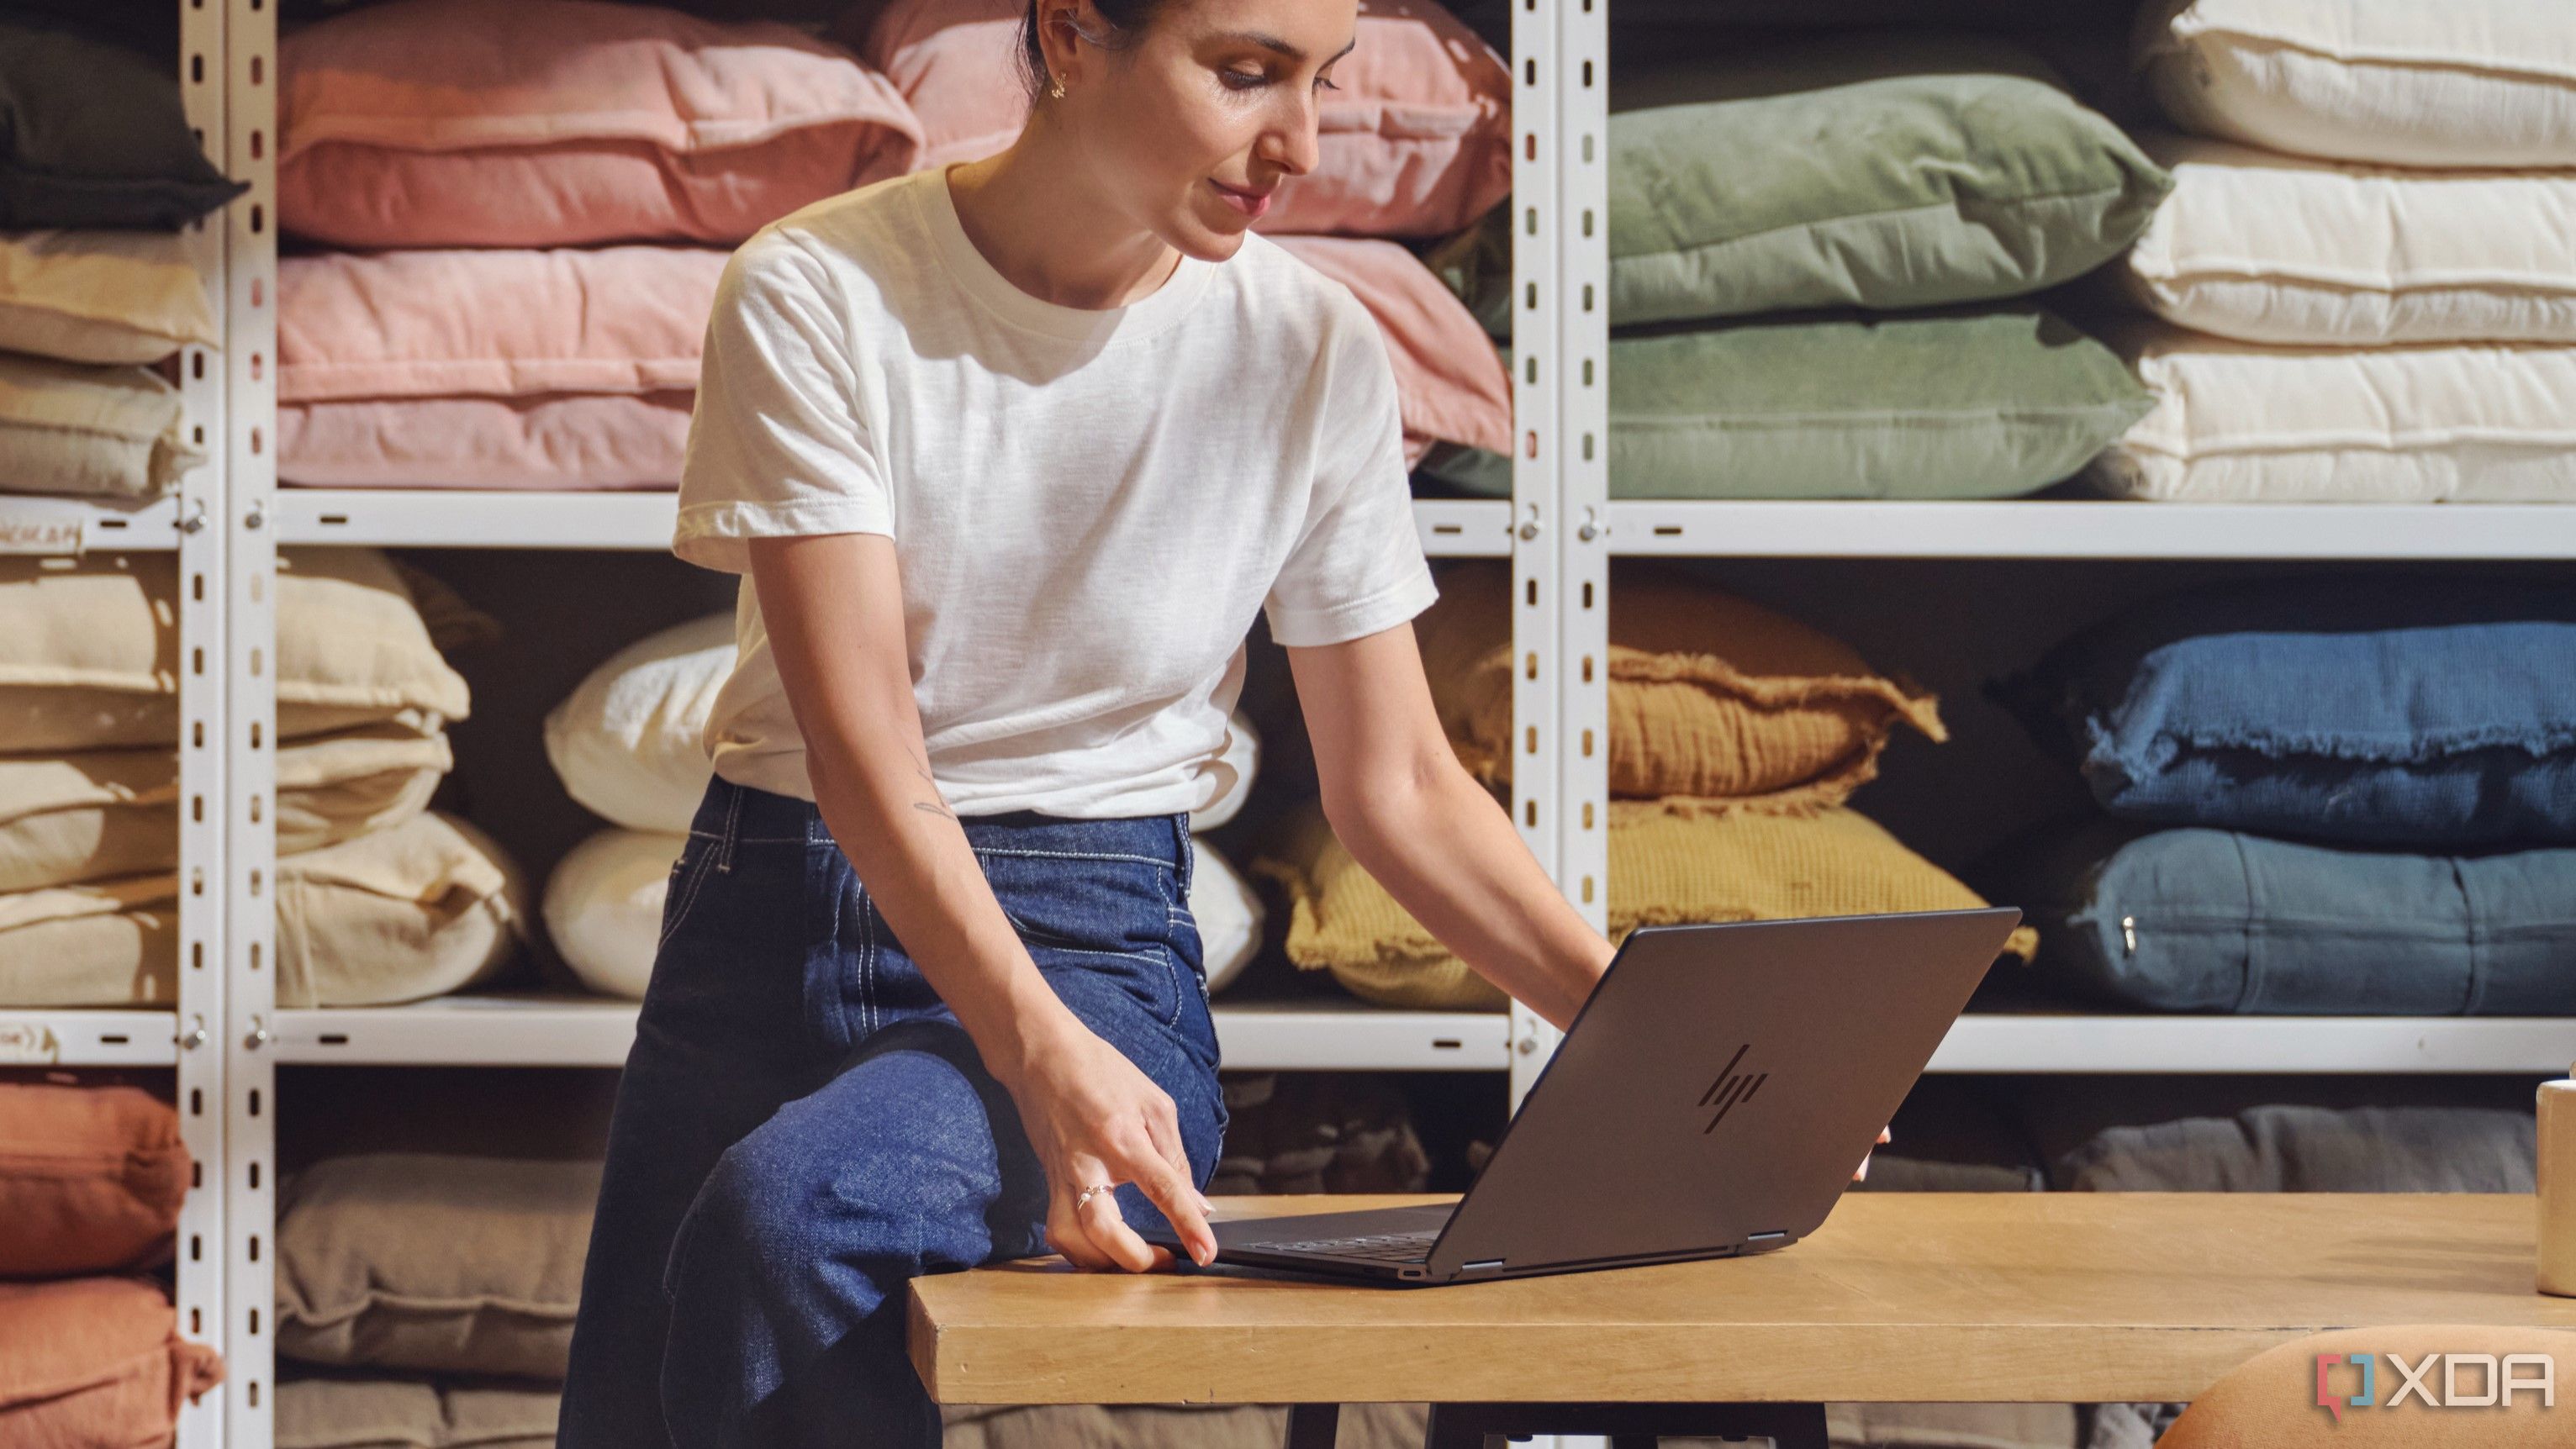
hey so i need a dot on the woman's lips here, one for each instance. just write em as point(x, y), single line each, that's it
point(1251, 204)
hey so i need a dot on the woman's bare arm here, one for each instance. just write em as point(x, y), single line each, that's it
point(833, 604)
point(1413, 817)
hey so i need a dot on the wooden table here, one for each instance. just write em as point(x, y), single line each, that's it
point(1995, 1297)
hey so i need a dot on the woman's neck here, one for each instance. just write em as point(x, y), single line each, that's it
point(1039, 216)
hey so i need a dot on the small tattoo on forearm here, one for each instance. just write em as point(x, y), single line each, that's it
point(935, 808)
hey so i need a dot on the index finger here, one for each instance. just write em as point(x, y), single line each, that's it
point(1155, 1177)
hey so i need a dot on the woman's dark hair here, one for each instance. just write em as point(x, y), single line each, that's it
point(1126, 19)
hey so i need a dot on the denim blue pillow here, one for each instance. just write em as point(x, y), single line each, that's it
point(2216, 920)
point(2413, 711)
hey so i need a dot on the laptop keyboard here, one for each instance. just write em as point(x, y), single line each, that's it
point(1387, 1247)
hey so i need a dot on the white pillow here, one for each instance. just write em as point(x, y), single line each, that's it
point(2270, 248)
point(1229, 913)
point(604, 909)
point(2402, 82)
point(2234, 422)
point(625, 742)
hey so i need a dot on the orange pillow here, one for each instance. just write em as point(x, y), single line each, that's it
point(1417, 142)
point(91, 1179)
point(567, 122)
point(2271, 1401)
point(95, 1361)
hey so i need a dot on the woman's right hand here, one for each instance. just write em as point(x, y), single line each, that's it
point(1094, 1118)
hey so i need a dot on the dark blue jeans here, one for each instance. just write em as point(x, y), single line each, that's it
point(803, 1126)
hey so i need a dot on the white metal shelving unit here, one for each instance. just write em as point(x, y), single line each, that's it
point(182, 525)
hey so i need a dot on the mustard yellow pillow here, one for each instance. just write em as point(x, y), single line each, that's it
point(1672, 862)
point(1710, 695)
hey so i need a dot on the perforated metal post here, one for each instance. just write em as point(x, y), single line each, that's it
point(1535, 310)
point(250, 648)
point(1583, 718)
point(200, 564)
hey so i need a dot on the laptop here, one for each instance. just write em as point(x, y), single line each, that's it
point(1712, 1099)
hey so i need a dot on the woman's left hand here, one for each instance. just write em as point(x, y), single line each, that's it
point(1861, 1173)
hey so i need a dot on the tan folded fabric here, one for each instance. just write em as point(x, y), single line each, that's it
point(1670, 864)
point(101, 296)
point(427, 907)
point(412, 1414)
point(434, 1262)
point(96, 814)
point(1709, 696)
point(95, 1361)
point(90, 653)
point(67, 427)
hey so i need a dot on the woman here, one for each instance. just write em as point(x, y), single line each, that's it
point(1013, 453)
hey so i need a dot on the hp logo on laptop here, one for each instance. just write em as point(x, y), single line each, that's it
point(1730, 1088)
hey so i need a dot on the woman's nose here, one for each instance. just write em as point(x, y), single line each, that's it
point(1290, 143)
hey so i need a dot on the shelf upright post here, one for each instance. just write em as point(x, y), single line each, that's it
point(250, 651)
point(1583, 192)
point(1536, 307)
point(199, 564)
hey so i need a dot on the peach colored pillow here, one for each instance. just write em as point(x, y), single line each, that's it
point(1451, 381)
point(567, 122)
point(91, 1179)
point(1417, 142)
point(541, 441)
point(495, 323)
point(95, 1361)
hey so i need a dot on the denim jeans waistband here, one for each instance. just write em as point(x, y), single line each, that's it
point(746, 815)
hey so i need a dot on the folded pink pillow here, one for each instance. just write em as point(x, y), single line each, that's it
point(1417, 142)
point(526, 123)
point(495, 323)
point(549, 441)
point(1450, 382)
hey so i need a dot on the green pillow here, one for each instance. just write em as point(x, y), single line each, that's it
point(1989, 403)
point(1906, 173)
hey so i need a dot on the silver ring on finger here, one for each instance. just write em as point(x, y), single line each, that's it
point(1090, 1192)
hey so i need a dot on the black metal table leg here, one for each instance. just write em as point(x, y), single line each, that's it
point(1313, 1426)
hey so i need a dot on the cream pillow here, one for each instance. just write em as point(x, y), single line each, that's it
point(101, 296)
point(97, 814)
point(99, 432)
point(603, 908)
point(2239, 423)
point(2269, 248)
point(89, 649)
point(426, 907)
point(625, 742)
point(2403, 82)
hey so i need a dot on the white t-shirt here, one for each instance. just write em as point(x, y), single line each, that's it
point(1089, 507)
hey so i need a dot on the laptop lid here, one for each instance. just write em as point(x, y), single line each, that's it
point(1721, 1084)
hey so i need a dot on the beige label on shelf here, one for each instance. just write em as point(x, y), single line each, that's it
point(29, 1044)
point(43, 535)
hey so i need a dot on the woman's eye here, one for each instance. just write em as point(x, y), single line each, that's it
point(1326, 83)
point(1239, 80)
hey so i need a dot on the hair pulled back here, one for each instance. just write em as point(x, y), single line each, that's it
point(1127, 18)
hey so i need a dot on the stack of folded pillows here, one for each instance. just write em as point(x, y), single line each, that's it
point(1821, 254)
point(98, 285)
point(428, 1298)
point(1735, 737)
point(627, 745)
point(2333, 794)
point(379, 898)
point(92, 1179)
point(534, 200)
point(2364, 283)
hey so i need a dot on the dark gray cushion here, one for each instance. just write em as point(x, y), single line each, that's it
point(93, 134)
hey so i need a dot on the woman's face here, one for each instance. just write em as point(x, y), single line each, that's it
point(1199, 119)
